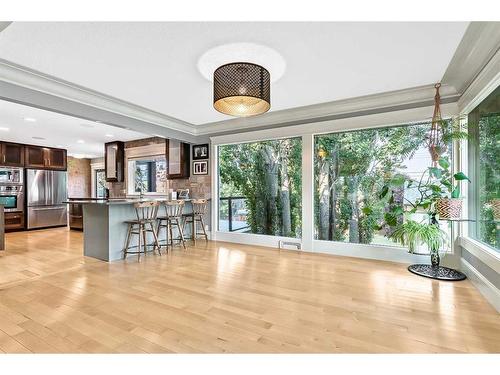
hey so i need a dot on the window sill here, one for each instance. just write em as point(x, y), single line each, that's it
point(483, 252)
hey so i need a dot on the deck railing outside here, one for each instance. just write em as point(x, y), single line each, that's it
point(233, 214)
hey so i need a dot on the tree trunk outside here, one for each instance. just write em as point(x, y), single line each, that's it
point(271, 177)
point(324, 199)
point(333, 171)
point(286, 217)
point(354, 220)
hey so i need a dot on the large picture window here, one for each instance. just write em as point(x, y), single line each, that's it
point(352, 167)
point(260, 187)
point(484, 164)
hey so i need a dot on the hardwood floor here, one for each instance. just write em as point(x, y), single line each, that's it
point(222, 297)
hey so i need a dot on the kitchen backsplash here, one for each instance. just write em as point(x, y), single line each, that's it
point(79, 178)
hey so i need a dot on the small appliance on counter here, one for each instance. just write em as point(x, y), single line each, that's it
point(183, 193)
point(47, 192)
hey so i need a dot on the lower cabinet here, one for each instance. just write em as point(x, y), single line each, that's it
point(14, 221)
point(76, 216)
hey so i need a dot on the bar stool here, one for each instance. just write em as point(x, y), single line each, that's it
point(146, 213)
point(200, 207)
point(173, 217)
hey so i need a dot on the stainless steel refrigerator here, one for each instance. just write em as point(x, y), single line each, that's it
point(46, 192)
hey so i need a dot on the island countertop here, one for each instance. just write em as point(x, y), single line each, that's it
point(105, 224)
point(113, 201)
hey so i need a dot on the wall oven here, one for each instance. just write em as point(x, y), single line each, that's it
point(12, 198)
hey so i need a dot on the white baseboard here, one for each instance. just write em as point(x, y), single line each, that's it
point(487, 289)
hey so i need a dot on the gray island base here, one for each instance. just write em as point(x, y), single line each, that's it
point(104, 228)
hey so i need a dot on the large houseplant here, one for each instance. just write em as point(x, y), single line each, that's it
point(412, 233)
point(438, 193)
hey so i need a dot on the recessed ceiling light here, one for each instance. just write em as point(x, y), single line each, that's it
point(30, 119)
point(109, 135)
point(4, 129)
point(39, 138)
point(80, 141)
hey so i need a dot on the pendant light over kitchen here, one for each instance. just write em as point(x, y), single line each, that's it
point(242, 89)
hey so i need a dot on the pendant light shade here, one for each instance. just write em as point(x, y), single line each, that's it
point(242, 89)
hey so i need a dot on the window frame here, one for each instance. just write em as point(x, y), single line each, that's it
point(307, 132)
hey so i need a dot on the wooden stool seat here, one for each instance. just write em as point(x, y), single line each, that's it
point(200, 207)
point(146, 213)
point(172, 219)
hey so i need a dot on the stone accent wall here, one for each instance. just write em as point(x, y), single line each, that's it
point(79, 178)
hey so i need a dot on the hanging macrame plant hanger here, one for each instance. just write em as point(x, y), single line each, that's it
point(435, 144)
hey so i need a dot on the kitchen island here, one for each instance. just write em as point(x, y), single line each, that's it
point(104, 227)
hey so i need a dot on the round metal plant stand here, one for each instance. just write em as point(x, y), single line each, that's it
point(436, 272)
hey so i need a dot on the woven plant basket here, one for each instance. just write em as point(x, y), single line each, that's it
point(495, 205)
point(449, 208)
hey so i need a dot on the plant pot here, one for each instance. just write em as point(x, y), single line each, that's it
point(495, 206)
point(449, 208)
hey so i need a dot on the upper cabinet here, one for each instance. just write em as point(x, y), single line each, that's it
point(114, 161)
point(18, 155)
point(45, 157)
point(178, 159)
point(56, 158)
point(11, 154)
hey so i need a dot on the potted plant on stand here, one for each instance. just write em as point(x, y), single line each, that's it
point(412, 233)
point(435, 189)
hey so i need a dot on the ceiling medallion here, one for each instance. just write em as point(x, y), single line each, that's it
point(242, 89)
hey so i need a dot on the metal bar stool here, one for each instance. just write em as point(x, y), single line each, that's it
point(173, 217)
point(200, 208)
point(146, 213)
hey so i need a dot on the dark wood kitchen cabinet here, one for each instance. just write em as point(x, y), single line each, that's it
point(11, 154)
point(178, 159)
point(45, 157)
point(14, 221)
point(56, 158)
point(114, 161)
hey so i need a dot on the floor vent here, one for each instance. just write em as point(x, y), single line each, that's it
point(282, 244)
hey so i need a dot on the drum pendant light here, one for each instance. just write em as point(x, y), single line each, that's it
point(242, 89)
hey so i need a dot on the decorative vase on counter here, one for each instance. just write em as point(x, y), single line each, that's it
point(449, 208)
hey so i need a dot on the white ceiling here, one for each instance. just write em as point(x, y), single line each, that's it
point(58, 130)
point(155, 64)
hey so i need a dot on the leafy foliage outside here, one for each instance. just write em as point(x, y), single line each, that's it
point(363, 185)
point(489, 179)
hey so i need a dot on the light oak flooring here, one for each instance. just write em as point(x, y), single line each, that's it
point(222, 297)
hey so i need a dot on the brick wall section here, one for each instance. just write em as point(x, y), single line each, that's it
point(199, 186)
point(79, 178)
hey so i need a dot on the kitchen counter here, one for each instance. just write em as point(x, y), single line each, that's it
point(114, 201)
point(104, 227)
